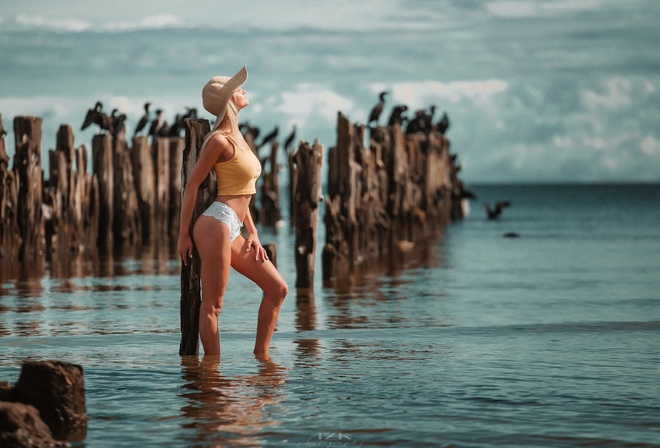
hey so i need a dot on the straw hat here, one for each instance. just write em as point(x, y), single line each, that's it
point(217, 92)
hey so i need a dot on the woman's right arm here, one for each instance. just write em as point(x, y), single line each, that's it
point(212, 153)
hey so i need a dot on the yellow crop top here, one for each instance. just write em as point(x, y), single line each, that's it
point(239, 174)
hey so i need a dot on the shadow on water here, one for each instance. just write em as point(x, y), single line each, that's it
point(235, 410)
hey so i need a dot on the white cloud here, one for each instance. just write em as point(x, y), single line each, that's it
point(529, 9)
point(149, 22)
point(651, 146)
point(309, 100)
point(617, 95)
point(419, 94)
point(37, 21)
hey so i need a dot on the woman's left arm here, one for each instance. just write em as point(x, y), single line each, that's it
point(253, 239)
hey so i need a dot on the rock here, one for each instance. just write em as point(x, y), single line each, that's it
point(6, 391)
point(57, 390)
point(21, 426)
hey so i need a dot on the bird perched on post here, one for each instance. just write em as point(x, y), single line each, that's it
point(377, 109)
point(443, 124)
point(119, 128)
point(96, 116)
point(143, 120)
point(290, 138)
point(269, 137)
point(246, 128)
point(494, 213)
point(397, 115)
point(157, 123)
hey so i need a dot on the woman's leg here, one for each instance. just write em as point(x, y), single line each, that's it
point(212, 241)
point(275, 289)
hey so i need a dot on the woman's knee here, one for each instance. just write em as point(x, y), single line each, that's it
point(278, 292)
point(211, 307)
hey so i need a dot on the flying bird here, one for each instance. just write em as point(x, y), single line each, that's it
point(494, 213)
point(377, 109)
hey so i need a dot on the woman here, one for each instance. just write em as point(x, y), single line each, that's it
point(217, 231)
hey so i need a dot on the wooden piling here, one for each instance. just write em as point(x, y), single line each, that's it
point(126, 225)
point(27, 166)
point(271, 214)
point(144, 177)
point(191, 295)
point(102, 161)
point(9, 234)
point(177, 145)
point(161, 162)
point(306, 162)
point(398, 190)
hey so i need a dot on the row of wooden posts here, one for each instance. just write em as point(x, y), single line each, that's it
point(398, 189)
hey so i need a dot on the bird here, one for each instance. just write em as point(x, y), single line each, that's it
point(96, 116)
point(397, 115)
point(156, 123)
point(143, 120)
point(443, 124)
point(417, 124)
point(246, 129)
point(290, 138)
point(428, 118)
point(269, 137)
point(494, 213)
point(377, 109)
point(118, 126)
point(177, 126)
point(90, 117)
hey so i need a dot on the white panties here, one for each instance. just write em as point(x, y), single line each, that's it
point(224, 213)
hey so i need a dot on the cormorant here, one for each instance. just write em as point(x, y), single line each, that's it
point(157, 123)
point(143, 120)
point(417, 124)
point(396, 116)
point(91, 116)
point(443, 124)
point(118, 126)
point(497, 211)
point(377, 109)
point(246, 128)
point(290, 138)
point(269, 137)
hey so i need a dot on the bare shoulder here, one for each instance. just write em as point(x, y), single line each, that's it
point(220, 147)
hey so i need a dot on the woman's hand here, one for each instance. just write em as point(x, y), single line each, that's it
point(253, 243)
point(185, 248)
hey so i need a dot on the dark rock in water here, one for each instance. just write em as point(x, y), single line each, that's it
point(511, 235)
point(57, 390)
point(21, 426)
point(6, 391)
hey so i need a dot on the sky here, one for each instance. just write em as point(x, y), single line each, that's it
point(536, 90)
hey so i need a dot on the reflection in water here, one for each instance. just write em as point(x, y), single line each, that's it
point(356, 295)
point(230, 410)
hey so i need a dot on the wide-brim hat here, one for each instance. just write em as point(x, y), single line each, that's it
point(218, 91)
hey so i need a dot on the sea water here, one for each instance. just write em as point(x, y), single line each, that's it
point(541, 328)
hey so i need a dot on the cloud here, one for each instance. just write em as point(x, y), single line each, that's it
point(616, 96)
point(651, 146)
point(421, 94)
point(536, 8)
point(313, 100)
point(65, 25)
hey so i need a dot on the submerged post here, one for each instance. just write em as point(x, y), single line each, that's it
point(191, 296)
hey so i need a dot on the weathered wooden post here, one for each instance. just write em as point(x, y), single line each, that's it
point(9, 235)
point(161, 156)
point(307, 162)
point(144, 177)
point(102, 162)
point(27, 166)
point(177, 145)
point(126, 226)
point(271, 213)
point(191, 295)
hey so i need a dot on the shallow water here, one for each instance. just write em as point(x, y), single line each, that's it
point(471, 339)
